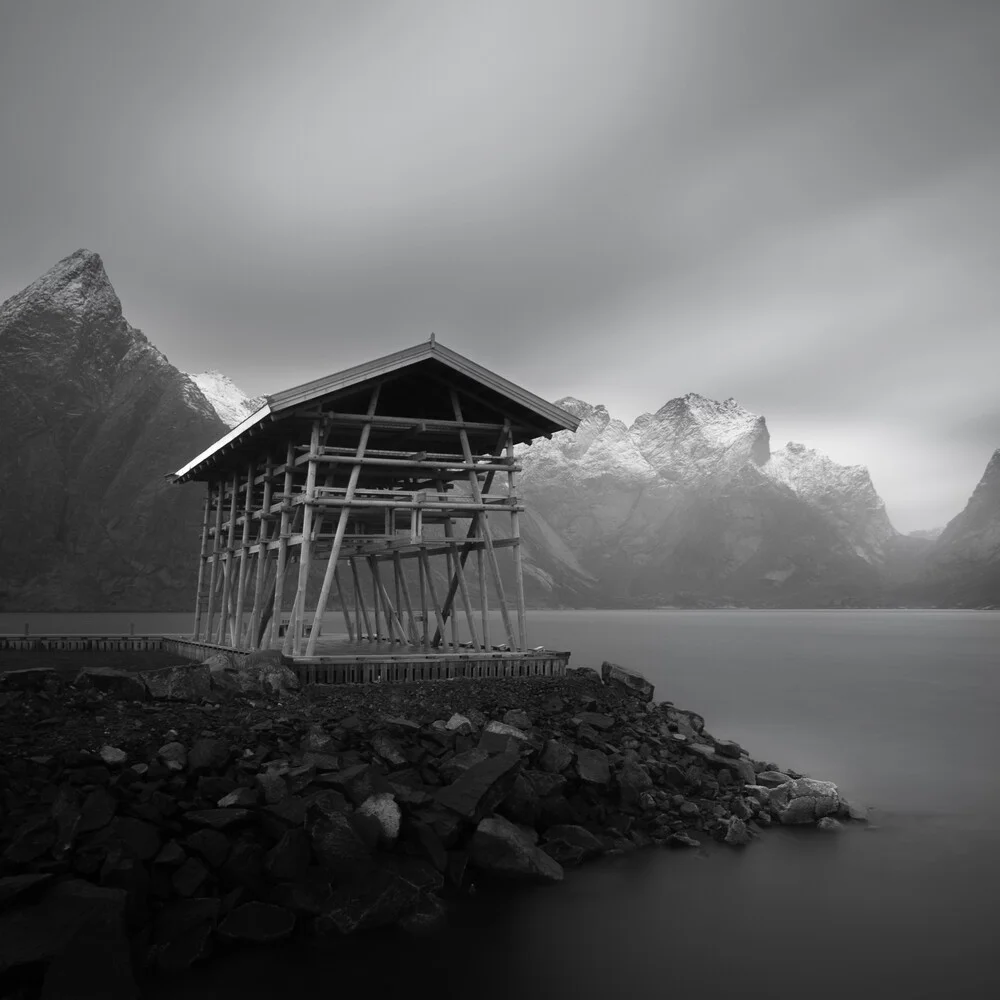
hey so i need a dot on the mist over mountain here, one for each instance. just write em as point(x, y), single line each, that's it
point(686, 506)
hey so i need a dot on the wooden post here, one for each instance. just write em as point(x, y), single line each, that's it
point(202, 559)
point(484, 597)
point(376, 598)
point(484, 523)
point(425, 563)
point(424, 624)
point(471, 533)
point(404, 587)
point(283, 532)
point(463, 588)
point(343, 603)
point(359, 599)
point(515, 530)
point(227, 578)
point(213, 580)
point(338, 539)
point(305, 556)
point(263, 557)
point(391, 618)
point(241, 586)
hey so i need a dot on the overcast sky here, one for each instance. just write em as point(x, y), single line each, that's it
point(792, 202)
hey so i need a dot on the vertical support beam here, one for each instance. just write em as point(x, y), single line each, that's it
point(305, 553)
point(391, 617)
point(263, 557)
point(283, 532)
point(214, 579)
point(425, 565)
point(241, 586)
point(484, 597)
point(376, 599)
point(457, 565)
point(202, 559)
point(425, 636)
point(484, 522)
point(515, 530)
point(343, 602)
point(412, 631)
point(359, 601)
point(338, 538)
point(227, 578)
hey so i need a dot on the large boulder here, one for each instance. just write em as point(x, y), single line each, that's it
point(117, 683)
point(377, 899)
point(29, 678)
point(183, 683)
point(503, 848)
point(804, 800)
point(267, 671)
point(631, 682)
point(481, 788)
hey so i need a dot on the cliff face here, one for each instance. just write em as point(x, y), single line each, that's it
point(963, 565)
point(91, 418)
point(688, 505)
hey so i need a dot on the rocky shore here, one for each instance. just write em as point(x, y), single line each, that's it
point(147, 818)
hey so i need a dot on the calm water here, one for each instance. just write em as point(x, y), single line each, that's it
point(901, 708)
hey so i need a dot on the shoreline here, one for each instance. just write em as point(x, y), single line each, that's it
point(233, 809)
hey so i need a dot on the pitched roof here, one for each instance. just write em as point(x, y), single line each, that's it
point(550, 417)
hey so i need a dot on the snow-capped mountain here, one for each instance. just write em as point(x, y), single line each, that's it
point(228, 400)
point(690, 499)
point(844, 493)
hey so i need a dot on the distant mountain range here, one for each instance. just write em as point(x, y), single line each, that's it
point(688, 506)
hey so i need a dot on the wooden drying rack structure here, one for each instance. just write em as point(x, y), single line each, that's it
point(368, 493)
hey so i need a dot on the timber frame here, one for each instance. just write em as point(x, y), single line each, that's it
point(364, 495)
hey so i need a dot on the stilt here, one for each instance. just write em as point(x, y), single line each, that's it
point(202, 559)
point(217, 538)
point(263, 557)
point(283, 533)
point(484, 523)
point(338, 539)
point(425, 564)
point(359, 596)
point(227, 578)
point(305, 552)
point(343, 603)
point(241, 585)
point(515, 531)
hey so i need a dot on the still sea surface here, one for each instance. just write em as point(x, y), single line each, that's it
point(900, 708)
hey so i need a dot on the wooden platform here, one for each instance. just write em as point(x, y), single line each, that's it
point(338, 660)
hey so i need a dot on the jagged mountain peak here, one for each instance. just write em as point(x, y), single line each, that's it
point(580, 408)
point(693, 438)
point(77, 286)
point(230, 402)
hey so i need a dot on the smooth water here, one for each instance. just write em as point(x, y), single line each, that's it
point(900, 708)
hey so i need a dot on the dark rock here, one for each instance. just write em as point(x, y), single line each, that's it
point(592, 767)
point(211, 845)
point(97, 811)
point(187, 879)
point(447, 825)
point(321, 761)
point(577, 836)
point(772, 779)
point(272, 786)
point(338, 844)
point(478, 791)
point(190, 946)
point(217, 819)
point(141, 840)
point(208, 755)
point(500, 847)
point(171, 855)
point(546, 784)
point(737, 833)
point(289, 859)
point(262, 923)
point(22, 888)
point(181, 915)
point(30, 679)
point(494, 743)
point(388, 750)
point(680, 839)
point(633, 781)
point(241, 798)
point(728, 749)
point(630, 682)
point(378, 899)
point(595, 719)
point(307, 896)
point(41, 931)
point(555, 757)
point(183, 683)
point(522, 803)
point(456, 766)
point(428, 917)
point(290, 810)
point(244, 867)
point(517, 718)
point(118, 683)
point(564, 854)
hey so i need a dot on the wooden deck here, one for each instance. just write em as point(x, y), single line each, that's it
point(338, 660)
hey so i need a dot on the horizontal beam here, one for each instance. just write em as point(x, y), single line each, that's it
point(407, 463)
point(420, 424)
